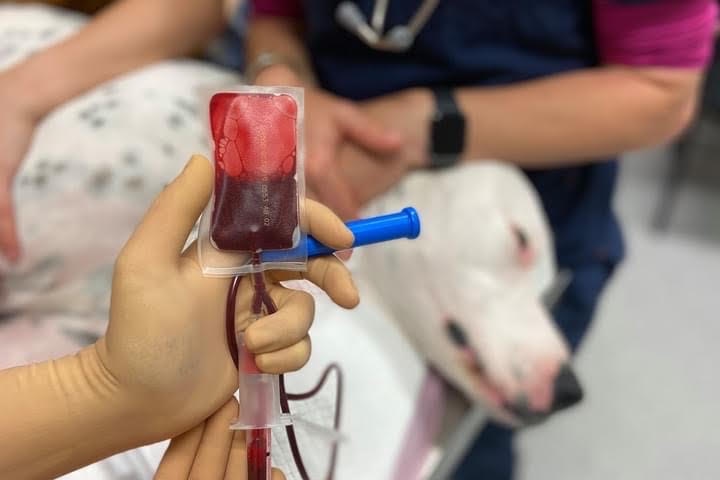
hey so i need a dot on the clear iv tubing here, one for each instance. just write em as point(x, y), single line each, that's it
point(259, 440)
point(254, 384)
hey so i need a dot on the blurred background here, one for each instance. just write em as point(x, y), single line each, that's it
point(649, 365)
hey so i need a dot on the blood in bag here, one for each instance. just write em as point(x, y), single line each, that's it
point(256, 201)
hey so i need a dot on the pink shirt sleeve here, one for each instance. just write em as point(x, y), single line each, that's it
point(281, 8)
point(662, 33)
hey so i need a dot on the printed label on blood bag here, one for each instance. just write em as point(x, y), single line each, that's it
point(256, 203)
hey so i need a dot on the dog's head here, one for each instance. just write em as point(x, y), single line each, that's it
point(505, 345)
point(469, 291)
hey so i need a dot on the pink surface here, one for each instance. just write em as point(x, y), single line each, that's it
point(668, 33)
point(284, 8)
point(423, 429)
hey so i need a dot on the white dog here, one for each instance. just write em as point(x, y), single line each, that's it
point(464, 300)
point(464, 297)
point(469, 291)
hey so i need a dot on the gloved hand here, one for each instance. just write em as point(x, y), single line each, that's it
point(165, 346)
point(163, 366)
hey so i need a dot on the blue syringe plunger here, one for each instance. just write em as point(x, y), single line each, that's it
point(403, 224)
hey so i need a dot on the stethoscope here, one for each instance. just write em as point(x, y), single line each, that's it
point(398, 39)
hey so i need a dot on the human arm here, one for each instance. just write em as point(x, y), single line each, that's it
point(652, 54)
point(643, 94)
point(565, 120)
point(124, 36)
point(557, 121)
point(163, 365)
point(579, 117)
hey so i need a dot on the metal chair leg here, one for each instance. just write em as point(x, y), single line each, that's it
point(460, 442)
point(676, 174)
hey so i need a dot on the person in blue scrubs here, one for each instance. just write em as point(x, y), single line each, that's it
point(559, 87)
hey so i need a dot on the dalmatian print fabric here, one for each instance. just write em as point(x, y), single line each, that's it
point(95, 165)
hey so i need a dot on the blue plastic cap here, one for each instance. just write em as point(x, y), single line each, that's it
point(404, 224)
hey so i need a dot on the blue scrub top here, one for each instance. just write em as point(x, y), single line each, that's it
point(486, 42)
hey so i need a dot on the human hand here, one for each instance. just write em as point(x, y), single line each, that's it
point(17, 125)
point(331, 123)
point(210, 450)
point(165, 348)
point(369, 175)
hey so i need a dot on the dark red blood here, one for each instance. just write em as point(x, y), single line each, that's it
point(230, 320)
point(258, 454)
point(255, 158)
point(252, 215)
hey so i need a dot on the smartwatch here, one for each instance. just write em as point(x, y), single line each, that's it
point(447, 131)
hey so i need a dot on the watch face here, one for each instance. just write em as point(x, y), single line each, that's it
point(448, 134)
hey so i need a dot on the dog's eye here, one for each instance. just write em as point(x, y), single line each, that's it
point(456, 333)
point(525, 253)
point(521, 237)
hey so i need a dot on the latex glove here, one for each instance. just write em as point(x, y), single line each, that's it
point(330, 123)
point(209, 450)
point(17, 125)
point(166, 340)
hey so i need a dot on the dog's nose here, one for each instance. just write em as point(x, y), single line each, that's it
point(526, 415)
point(567, 391)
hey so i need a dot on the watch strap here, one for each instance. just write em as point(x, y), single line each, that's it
point(447, 131)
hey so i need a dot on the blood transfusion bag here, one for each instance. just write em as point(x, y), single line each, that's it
point(257, 133)
point(255, 191)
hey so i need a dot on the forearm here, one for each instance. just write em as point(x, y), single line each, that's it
point(580, 116)
point(125, 36)
point(59, 415)
point(281, 36)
